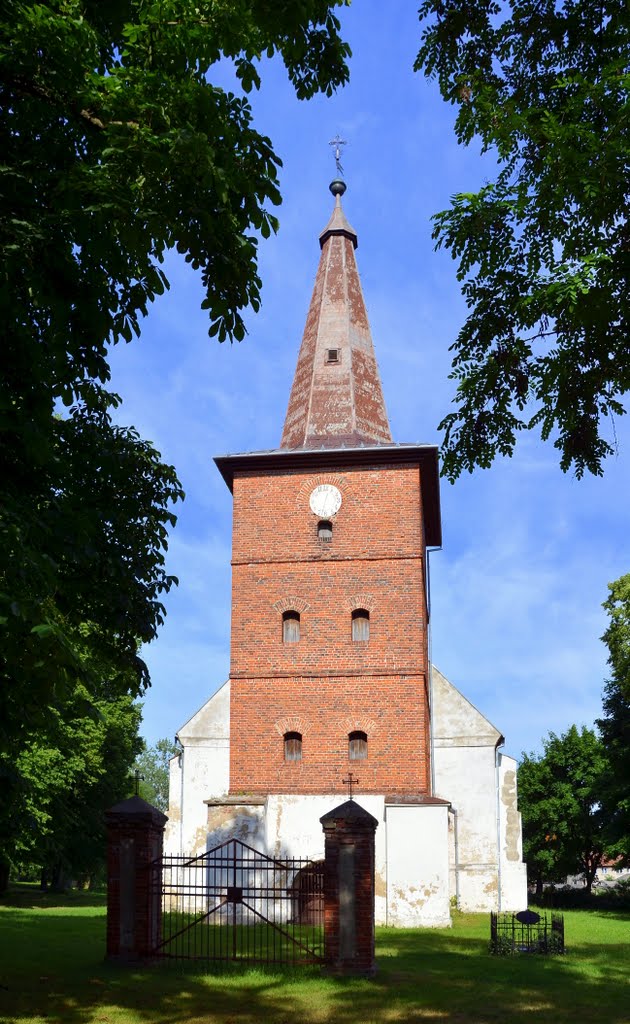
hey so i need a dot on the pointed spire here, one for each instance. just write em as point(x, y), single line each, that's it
point(336, 399)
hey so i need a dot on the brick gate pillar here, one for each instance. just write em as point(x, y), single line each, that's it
point(349, 889)
point(135, 832)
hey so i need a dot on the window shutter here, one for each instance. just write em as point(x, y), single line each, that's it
point(292, 746)
point(357, 746)
point(291, 627)
point(360, 624)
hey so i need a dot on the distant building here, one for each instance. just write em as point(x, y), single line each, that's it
point(330, 670)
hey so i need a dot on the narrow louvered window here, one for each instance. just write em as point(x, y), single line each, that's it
point(292, 746)
point(360, 624)
point(357, 746)
point(291, 627)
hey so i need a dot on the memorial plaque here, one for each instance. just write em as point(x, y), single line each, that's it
point(527, 917)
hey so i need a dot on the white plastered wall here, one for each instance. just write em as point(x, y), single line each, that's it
point(202, 770)
point(486, 869)
point(417, 866)
point(513, 870)
point(294, 829)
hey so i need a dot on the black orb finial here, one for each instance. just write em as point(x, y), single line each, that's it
point(337, 187)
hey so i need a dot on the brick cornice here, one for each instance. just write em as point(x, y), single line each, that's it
point(332, 558)
point(395, 673)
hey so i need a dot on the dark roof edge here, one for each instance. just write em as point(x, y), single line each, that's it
point(322, 458)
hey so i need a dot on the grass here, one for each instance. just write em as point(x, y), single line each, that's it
point(52, 970)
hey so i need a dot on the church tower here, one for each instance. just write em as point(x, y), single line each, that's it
point(330, 678)
point(329, 652)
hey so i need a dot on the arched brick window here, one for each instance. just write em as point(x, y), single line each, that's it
point(357, 745)
point(290, 627)
point(360, 624)
point(293, 746)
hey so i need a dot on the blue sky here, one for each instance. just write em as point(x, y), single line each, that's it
point(528, 552)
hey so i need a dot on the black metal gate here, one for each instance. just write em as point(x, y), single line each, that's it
point(234, 903)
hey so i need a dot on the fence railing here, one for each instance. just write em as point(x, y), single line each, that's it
point(526, 932)
point(235, 903)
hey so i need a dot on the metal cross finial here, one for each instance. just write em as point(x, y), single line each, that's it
point(338, 142)
point(350, 782)
point(137, 778)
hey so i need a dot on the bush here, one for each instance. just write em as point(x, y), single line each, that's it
point(615, 897)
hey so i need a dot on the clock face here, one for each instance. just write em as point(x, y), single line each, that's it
point(325, 501)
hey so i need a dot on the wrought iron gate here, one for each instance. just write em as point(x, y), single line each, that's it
point(235, 903)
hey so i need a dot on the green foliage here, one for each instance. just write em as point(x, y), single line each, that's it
point(116, 147)
point(543, 250)
point(560, 804)
point(617, 635)
point(69, 769)
point(153, 765)
point(615, 722)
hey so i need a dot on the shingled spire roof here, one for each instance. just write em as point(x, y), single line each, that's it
point(336, 399)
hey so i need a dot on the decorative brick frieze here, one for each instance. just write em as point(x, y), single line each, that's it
point(291, 602)
point(361, 723)
point(292, 723)
point(354, 601)
point(342, 481)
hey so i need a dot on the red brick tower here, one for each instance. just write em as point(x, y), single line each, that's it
point(329, 660)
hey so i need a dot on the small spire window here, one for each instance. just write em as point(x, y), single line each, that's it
point(290, 627)
point(360, 624)
point(333, 355)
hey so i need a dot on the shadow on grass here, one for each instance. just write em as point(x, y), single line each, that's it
point(52, 969)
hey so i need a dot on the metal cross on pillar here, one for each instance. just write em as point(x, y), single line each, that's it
point(350, 782)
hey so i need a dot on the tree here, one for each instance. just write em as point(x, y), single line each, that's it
point(116, 146)
point(560, 803)
point(153, 765)
point(73, 775)
point(544, 249)
point(615, 722)
point(82, 582)
point(69, 770)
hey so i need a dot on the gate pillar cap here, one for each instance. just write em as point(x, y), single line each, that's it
point(137, 808)
point(353, 813)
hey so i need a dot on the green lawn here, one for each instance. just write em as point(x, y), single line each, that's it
point(52, 969)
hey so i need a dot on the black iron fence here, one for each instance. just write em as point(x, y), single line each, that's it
point(526, 932)
point(233, 903)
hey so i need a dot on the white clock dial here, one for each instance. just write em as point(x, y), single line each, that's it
point(325, 501)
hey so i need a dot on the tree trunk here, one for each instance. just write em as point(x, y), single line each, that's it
point(539, 887)
point(58, 879)
point(4, 876)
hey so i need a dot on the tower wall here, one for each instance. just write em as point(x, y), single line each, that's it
point(327, 685)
